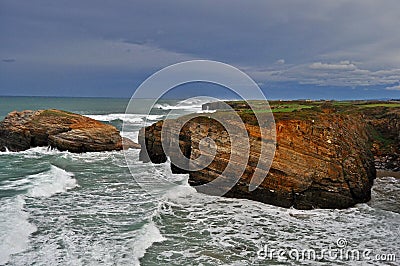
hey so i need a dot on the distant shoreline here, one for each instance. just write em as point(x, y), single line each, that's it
point(179, 99)
point(67, 97)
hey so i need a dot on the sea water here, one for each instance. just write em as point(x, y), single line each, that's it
point(60, 208)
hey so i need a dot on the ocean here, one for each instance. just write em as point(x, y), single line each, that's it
point(60, 208)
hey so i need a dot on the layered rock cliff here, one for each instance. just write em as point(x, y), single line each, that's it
point(58, 129)
point(322, 159)
point(384, 130)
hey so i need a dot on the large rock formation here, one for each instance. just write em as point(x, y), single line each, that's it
point(384, 128)
point(59, 129)
point(322, 159)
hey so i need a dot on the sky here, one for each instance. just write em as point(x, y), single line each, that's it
point(332, 49)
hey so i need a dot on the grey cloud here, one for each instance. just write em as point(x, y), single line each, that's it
point(342, 42)
point(10, 60)
point(393, 88)
point(344, 74)
point(102, 53)
point(257, 32)
point(343, 65)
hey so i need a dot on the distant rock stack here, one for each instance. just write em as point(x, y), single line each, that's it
point(62, 130)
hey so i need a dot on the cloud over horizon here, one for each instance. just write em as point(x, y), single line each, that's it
point(66, 47)
point(393, 88)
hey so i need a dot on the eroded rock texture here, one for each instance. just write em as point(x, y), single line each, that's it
point(323, 161)
point(59, 129)
point(384, 128)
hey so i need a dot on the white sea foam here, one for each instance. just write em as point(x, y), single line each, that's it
point(133, 135)
point(15, 228)
point(241, 227)
point(44, 184)
point(7, 151)
point(192, 105)
point(189, 104)
point(207, 111)
point(192, 108)
point(130, 118)
point(176, 107)
point(54, 181)
point(38, 152)
point(147, 236)
point(180, 190)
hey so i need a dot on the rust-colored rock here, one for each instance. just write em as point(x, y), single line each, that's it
point(129, 144)
point(324, 161)
point(58, 129)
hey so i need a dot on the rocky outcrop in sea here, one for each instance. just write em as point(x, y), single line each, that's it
point(58, 129)
point(322, 159)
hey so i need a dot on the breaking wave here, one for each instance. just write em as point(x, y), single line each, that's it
point(15, 228)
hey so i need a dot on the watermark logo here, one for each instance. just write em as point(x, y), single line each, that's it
point(340, 251)
point(223, 75)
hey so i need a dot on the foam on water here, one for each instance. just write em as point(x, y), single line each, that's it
point(177, 107)
point(147, 236)
point(385, 194)
point(110, 220)
point(15, 227)
point(190, 105)
point(56, 180)
point(43, 184)
point(231, 231)
point(129, 118)
point(14, 220)
point(7, 151)
point(180, 190)
point(130, 135)
point(38, 152)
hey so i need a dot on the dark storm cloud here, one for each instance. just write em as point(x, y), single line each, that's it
point(8, 60)
point(340, 43)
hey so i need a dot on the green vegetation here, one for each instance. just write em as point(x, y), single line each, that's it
point(291, 108)
point(390, 105)
point(379, 137)
point(342, 103)
point(57, 113)
point(52, 113)
point(298, 105)
point(306, 109)
point(377, 115)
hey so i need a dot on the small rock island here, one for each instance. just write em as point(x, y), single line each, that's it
point(61, 130)
point(326, 152)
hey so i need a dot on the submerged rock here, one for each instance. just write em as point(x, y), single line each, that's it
point(58, 129)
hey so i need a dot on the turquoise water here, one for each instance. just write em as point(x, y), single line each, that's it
point(59, 208)
point(78, 105)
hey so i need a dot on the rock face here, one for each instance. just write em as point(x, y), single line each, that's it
point(323, 161)
point(59, 129)
point(384, 127)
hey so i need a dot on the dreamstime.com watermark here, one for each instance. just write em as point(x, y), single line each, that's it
point(338, 252)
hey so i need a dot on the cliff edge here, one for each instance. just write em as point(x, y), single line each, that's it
point(323, 157)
